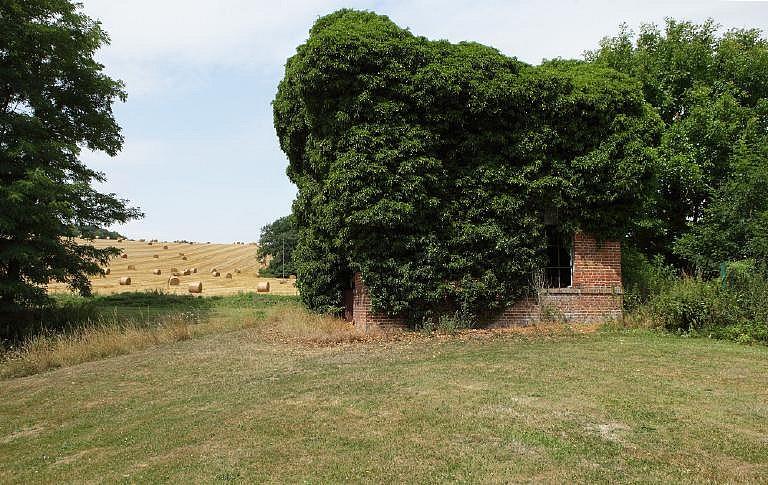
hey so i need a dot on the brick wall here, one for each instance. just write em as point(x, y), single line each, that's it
point(596, 294)
point(362, 316)
point(596, 263)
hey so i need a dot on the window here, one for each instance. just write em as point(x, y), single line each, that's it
point(559, 269)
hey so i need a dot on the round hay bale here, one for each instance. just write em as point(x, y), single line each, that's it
point(263, 287)
point(142, 240)
point(175, 273)
point(165, 247)
point(174, 281)
point(228, 276)
point(150, 243)
point(194, 270)
point(183, 258)
point(125, 281)
point(124, 256)
point(131, 267)
point(156, 256)
point(181, 254)
point(237, 270)
point(187, 272)
point(213, 270)
point(196, 287)
point(107, 271)
point(216, 274)
point(282, 282)
point(157, 271)
point(174, 270)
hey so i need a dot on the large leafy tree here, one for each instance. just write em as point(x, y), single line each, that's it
point(277, 243)
point(55, 100)
point(711, 90)
point(433, 168)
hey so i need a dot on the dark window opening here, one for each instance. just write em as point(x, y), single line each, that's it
point(559, 268)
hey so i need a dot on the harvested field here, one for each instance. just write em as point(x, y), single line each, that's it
point(224, 257)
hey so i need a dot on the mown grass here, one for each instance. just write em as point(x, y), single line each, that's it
point(543, 406)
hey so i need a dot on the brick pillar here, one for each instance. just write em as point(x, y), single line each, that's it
point(596, 263)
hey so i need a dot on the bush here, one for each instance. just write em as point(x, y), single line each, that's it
point(735, 308)
point(643, 278)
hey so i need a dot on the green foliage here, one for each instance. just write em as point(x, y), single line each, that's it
point(711, 91)
point(735, 311)
point(54, 100)
point(644, 278)
point(432, 167)
point(277, 241)
point(91, 232)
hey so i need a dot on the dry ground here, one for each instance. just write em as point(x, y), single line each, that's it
point(224, 257)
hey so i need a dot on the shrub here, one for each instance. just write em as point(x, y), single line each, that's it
point(644, 278)
point(735, 308)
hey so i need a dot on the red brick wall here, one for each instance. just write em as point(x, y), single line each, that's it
point(362, 316)
point(596, 263)
point(596, 294)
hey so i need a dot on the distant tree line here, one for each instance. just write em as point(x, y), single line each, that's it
point(91, 232)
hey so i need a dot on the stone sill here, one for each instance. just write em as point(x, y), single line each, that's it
point(584, 290)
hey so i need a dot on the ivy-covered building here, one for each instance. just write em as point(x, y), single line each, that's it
point(441, 179)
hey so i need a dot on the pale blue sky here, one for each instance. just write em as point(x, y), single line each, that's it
point(201, 157)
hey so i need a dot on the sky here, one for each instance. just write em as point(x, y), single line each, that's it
point(201, 157)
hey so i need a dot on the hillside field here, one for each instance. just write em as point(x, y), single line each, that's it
point(203, 256)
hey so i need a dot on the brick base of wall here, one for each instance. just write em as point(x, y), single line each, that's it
point(569, 305)
point(596, 294)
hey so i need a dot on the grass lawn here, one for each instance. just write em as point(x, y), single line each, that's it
point(607, 406)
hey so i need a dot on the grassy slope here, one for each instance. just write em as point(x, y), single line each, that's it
point(625, 407)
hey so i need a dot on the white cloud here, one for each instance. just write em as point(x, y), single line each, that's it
point(155, 41)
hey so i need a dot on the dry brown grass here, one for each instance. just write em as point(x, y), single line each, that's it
point(297, 324)
point(93, 342)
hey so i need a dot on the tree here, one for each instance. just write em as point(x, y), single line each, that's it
point(708, 89)
point(433, 168)
point(55, 100)
point(91, 232)
point(277, 242)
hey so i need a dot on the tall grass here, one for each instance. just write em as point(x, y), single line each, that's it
point(121, 332)
point(50, 350)
point(296, 323)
